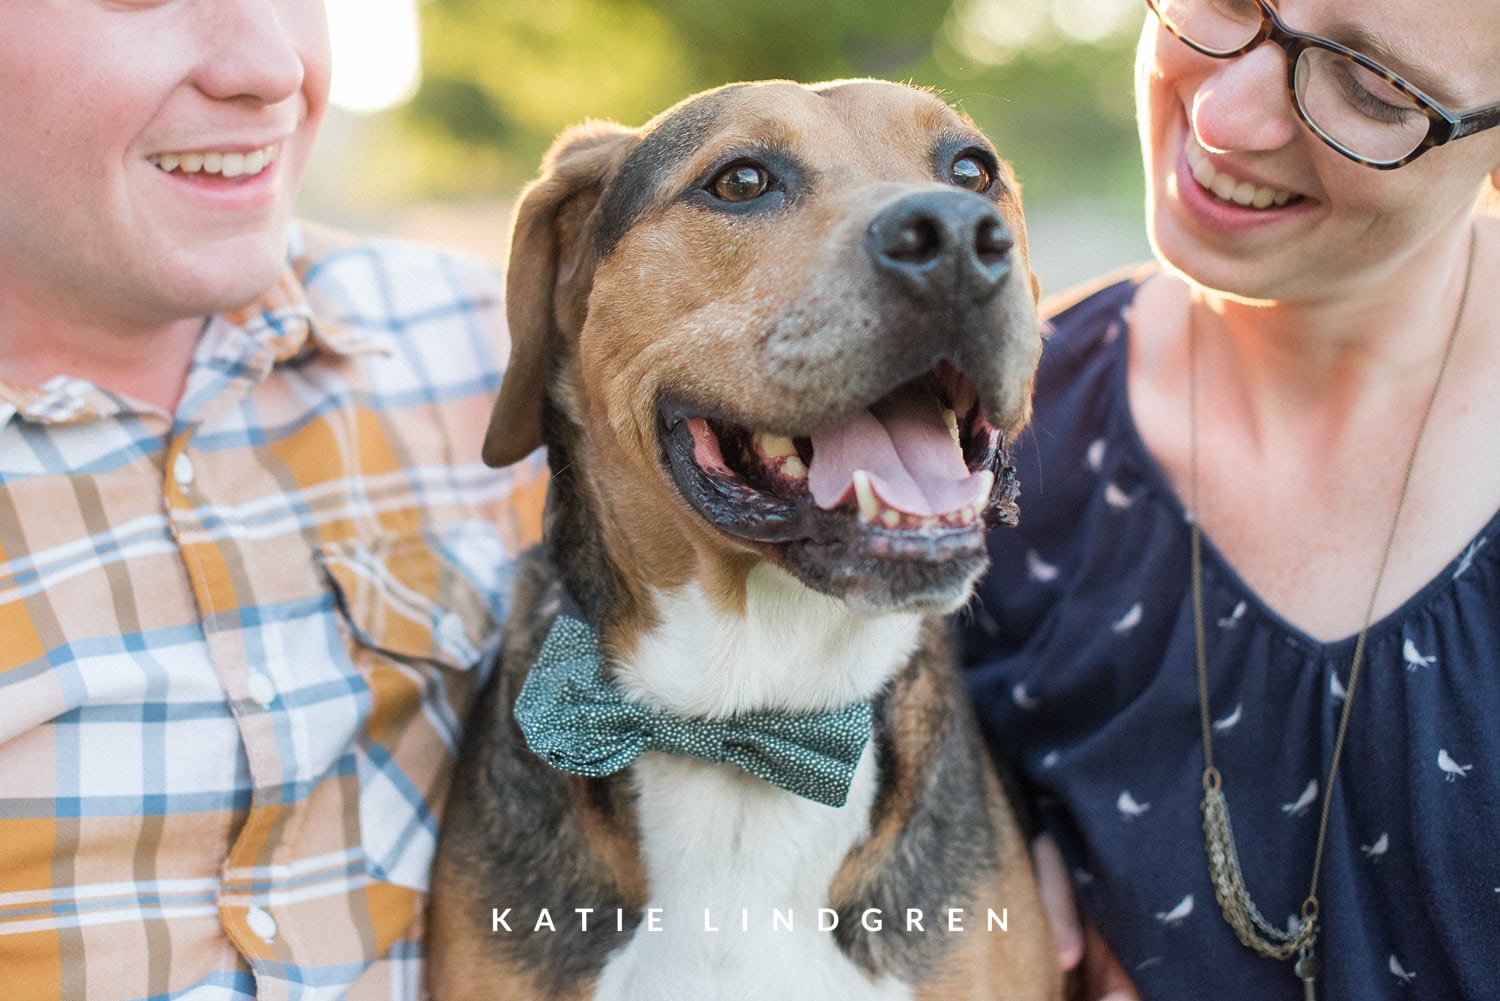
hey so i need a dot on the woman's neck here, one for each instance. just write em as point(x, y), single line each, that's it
point(1305, 417)
point(1306, 371)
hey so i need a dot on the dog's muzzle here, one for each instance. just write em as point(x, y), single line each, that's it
point(889, 462)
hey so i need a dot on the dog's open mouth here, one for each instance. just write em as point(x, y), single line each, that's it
point(917, 475)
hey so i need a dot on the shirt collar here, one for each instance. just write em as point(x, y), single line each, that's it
point(60, 400)
point(283, 319)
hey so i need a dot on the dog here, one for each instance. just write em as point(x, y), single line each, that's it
point(775, 342)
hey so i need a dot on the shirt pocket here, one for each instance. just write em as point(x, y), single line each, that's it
point(414, 597)
point(418, 622)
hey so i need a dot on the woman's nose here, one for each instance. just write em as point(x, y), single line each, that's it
point(1243, 105)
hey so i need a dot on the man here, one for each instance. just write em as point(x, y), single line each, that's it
point(248, 556)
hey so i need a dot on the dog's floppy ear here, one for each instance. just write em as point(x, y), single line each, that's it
point(551, 264)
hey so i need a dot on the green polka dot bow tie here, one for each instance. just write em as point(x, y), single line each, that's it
point(576, 721)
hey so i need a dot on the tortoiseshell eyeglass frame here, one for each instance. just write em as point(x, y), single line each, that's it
point(1443, 126)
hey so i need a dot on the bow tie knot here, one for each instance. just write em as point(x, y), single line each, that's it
point(577, 721)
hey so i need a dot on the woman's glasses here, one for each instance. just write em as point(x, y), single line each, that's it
point(1350, 101)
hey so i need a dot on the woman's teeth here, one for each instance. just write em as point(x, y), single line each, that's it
point(221, 164)
point(1227, 189)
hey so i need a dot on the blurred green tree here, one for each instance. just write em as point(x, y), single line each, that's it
point(1049, 79)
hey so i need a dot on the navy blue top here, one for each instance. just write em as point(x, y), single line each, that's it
point(1079, 656)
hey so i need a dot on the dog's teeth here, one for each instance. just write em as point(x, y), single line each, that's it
point(793, 468)
point(975, 511)
point(986, 484)
point(891, 518)
point(774, 446)
point(869, 504)
point(951, 419)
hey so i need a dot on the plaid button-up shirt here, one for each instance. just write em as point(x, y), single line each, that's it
point(237, 642)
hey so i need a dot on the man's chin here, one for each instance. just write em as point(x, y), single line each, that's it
point(230, 275)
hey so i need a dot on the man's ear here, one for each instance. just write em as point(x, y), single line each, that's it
point(546, 288)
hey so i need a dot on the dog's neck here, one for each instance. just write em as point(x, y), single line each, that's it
point(789, 648)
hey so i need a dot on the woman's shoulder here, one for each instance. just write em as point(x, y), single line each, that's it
point(1083, 322)
point(1098, 297)
point(1083, 339)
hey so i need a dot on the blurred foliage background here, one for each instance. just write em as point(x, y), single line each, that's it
point(1049, 80)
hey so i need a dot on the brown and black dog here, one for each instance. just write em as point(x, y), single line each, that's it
point(775, 342)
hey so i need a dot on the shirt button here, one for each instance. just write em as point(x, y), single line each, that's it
point(262, 690)
point(261, 923)
point(182, 469)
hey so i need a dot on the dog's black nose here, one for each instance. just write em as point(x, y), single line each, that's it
point(942, 244)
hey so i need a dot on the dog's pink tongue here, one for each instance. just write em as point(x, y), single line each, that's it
point(905, 446)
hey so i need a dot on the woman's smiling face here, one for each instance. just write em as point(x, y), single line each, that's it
point(1242, 197)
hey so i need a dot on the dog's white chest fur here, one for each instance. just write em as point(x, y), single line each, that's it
point(739, 868)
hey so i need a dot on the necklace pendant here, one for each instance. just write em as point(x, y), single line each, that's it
point(1307, 968)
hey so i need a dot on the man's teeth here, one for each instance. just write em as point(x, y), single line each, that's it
point(221, 164)
point(1227, 189)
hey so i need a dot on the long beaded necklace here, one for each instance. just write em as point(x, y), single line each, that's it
point(1250, 926)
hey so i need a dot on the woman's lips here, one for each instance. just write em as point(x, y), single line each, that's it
point(1227, 189)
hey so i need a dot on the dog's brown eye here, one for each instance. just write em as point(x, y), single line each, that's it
point(971, 173)
point(740, 182)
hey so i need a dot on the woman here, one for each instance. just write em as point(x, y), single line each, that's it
point(1309, 378)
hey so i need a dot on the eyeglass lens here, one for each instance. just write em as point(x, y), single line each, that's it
point(1346, 102)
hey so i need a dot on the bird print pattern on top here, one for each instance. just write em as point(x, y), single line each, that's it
point(1095, 458)
point(1178, 914)
point(1116, 497)
point(1129, 808)
point(1336, 686)
point(1225, 726)
point(1304, 802)
point(1079, 656)
point(1040, 569)
point(1233, 618)
point(1130, 619)
point(1467, 559)
point(1452, 769)
point(1416, 659)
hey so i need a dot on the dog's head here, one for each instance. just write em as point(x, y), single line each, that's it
point(781, 323)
